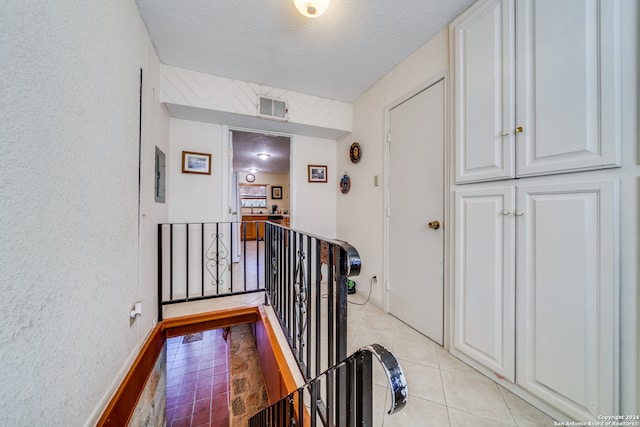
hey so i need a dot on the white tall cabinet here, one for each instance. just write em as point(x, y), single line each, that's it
point(536, 88)
point(536, 288)
point(536, 95)
point(484, 325)
point(567, 294)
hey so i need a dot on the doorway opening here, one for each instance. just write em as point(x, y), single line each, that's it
point(261, 191)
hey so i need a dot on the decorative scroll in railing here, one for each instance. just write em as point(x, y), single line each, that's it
point(354, 408)
point(207, 260)
point(306, 283)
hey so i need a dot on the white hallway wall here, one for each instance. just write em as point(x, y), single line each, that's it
point(193, 197)
point(313, 204)
point(69, 79)
point(361, 213)
point(203, 198)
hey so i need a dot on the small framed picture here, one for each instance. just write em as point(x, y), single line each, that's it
point(276, 192)
point(196, 163)
point(317, 173)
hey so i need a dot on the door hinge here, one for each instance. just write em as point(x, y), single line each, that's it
point(388, 211)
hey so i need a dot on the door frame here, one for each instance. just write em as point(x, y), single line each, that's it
point(444, 76)
point(227, 165)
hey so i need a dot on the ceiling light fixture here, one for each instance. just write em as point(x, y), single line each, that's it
point(253, 170)
point(312, 8)
point(264, 156)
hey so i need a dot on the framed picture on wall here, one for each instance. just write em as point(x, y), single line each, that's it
point(317, 173)
point(276, 192)
point(196, 163)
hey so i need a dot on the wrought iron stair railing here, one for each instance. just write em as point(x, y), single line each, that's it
point(198, 261)
point(306, 284)
point(304, 278)
point(322, 401)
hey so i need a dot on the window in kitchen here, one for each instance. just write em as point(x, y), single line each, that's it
point(253, 196)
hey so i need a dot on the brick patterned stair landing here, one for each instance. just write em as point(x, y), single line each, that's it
point(198, 380)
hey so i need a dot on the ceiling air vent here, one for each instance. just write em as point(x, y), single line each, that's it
point(272, 108)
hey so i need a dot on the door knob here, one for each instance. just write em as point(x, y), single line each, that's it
point(519, 129)
point(434, 225)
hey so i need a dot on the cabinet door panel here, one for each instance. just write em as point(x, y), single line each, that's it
point(567, 295)
point(482, 53)
point(484, 299)
point(567, 86)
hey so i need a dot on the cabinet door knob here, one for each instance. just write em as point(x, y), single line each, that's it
point(434, 225)
point(519, 213)
point(505, 212)
point(519, 129)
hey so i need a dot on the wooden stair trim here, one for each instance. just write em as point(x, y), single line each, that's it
point(123, 403)
point(177, 326)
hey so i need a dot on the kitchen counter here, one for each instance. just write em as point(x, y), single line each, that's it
point(264, 214)
point(254, 230)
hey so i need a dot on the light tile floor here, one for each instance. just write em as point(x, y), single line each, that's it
point(443, 391)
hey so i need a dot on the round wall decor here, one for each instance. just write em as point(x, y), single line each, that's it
point(250, 177)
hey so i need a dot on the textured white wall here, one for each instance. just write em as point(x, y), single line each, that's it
point(360, 213)
point(203, 198)
point(69, 79)
point(313, 204)
point(196, 198)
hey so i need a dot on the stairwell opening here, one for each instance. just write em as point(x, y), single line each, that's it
point(214, 378)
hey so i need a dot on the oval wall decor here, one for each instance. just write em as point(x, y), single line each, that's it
point(345, 184)
point(355, 152)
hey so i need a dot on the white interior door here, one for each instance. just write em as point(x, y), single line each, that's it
point(415, 250)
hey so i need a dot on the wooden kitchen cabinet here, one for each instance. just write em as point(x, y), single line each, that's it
point(253, 226)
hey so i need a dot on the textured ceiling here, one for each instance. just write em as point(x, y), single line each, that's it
point(247, 146)
point(338, 55)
